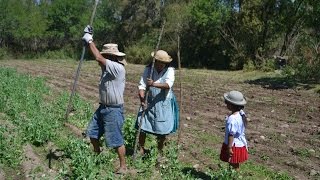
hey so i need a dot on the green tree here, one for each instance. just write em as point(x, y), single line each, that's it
point(23, 25)
point(305, 46)
point(107, 20)
point(66, 20)
point(138, 18)
point(201, 38)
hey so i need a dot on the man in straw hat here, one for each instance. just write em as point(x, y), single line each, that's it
point(108, 118)
point(161, 113)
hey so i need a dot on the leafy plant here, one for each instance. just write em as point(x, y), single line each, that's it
point(264, 157)
point(129, 132)
point(225, 174)
point(302, 152)
point(249, 66)
point(84, 163)
point(10, 156)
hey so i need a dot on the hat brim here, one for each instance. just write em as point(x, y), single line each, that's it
point(162, 60)
point(120, 54)
point(242, 103)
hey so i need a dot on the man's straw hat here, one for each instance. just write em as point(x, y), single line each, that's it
point(112, 49)
point(162, 56)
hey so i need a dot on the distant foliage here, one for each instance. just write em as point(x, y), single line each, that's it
point(304, 69)
point(304, 66)
point(249, 66)
point(139, 54)
point(216, 34)
point(4, 53)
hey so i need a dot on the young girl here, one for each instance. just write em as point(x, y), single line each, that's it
point(235, 148)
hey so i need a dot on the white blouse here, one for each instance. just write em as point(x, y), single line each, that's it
point(162, 77)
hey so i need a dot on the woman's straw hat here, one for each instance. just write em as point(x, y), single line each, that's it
point(162, 56)
point(235, 97)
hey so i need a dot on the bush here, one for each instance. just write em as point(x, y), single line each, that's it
point(306, 70)
point(4, 54)
point(268, 65)
point(249, 66)
point(58, 54)
point(288, 71)
point(139, 54)
point(129, 132)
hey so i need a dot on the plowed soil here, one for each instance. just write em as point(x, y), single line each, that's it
point(284, 126)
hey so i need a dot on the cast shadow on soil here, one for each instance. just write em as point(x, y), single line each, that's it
point(54, 155)
point(130, 152)
point(196, 174)
point(279, 83)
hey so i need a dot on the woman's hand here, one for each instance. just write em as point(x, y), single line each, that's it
point(142, 100)
point(143, 104)
point(160, 85)
point(150, 82)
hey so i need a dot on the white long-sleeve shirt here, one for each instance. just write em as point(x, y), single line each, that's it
point(162, 77)
point(235, 127)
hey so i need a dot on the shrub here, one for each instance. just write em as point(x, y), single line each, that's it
point(129, 132)
point(268, 65)
point(249, 66)
point(306, 70)
point(58, 54)
point(4, 53)
point(139, 54)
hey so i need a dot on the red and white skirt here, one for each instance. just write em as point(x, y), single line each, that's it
point(240, 154)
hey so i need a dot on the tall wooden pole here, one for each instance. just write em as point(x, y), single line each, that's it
point(79, 66)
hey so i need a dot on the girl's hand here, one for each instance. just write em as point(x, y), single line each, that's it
point(230, 152)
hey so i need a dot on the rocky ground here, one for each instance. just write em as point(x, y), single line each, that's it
point(284, 122)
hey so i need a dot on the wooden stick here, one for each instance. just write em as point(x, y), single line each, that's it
point(180, 94)
point(79, 66)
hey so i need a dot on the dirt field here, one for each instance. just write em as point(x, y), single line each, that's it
point(284, 127)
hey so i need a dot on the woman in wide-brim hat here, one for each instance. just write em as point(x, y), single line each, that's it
point(162, 113)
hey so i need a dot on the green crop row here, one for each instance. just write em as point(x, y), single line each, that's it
point(32, 114)
point(10, 147)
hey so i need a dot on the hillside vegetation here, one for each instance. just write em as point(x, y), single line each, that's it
point(215, 34)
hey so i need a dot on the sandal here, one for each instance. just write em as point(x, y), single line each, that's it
point(121, 171)
point(161, 162)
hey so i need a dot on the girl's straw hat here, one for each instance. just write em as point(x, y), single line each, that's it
point(235, 97)
point(162, 56)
